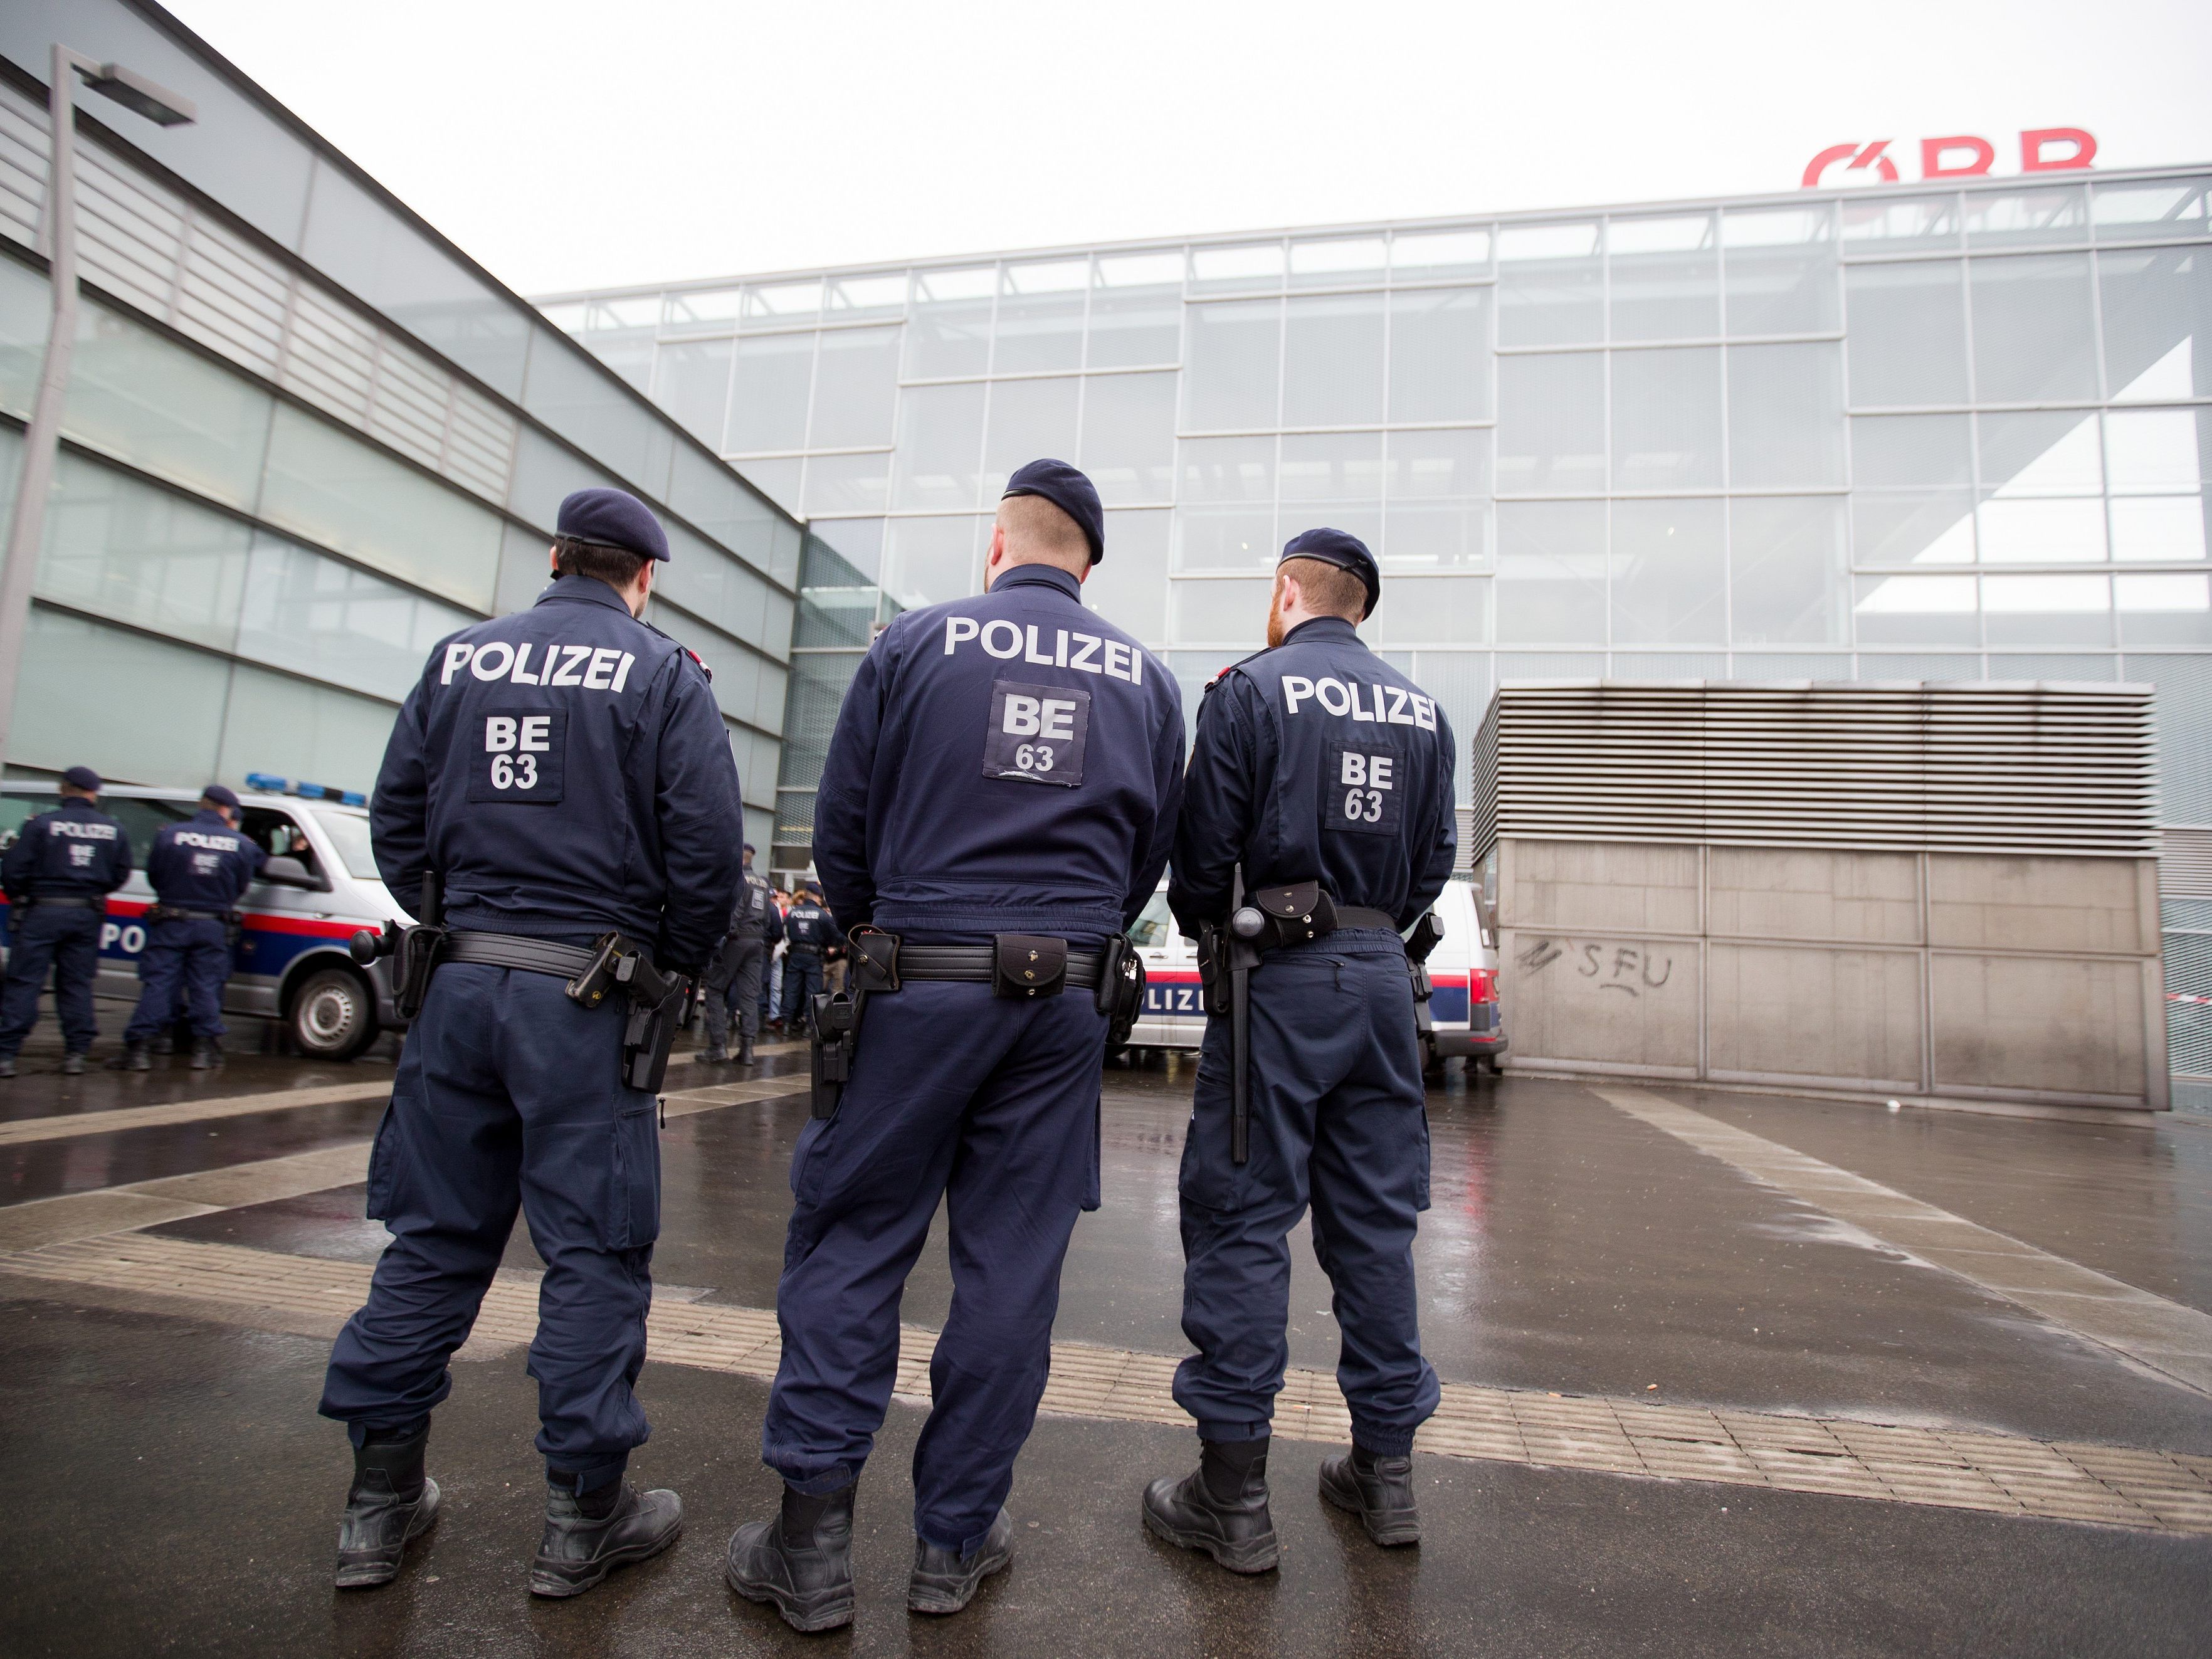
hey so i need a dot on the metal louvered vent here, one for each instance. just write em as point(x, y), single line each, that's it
point(1987, 767)
point(155, 248)
point(2184, 864)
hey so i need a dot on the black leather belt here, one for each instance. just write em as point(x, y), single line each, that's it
point(806, 949)
point(1354, 915)
point(978, 964)
point(69, 901)
point(532, 955)
point(178, 913)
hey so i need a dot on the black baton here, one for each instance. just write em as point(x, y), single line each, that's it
point(1240, 955)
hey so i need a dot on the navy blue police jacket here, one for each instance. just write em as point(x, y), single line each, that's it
point(75, 851)
point(567, 773)
point(755, 915)
point(203, 864)
point(1005, 764)
point(1317, 760)
point(810, 925)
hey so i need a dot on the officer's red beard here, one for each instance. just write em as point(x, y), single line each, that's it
point(1275, 630)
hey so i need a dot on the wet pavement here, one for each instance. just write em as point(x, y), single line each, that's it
point(188, 1493)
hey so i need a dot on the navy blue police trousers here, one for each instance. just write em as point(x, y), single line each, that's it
point(1338, 1121)
point(62, 940)
point(508, 1095)
point(186, 962)
point(802, 978)
point(991, 1105)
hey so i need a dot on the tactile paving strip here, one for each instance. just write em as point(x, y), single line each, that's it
point(2000, 1474)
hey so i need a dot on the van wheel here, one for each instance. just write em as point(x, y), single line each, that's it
point(333, 1015)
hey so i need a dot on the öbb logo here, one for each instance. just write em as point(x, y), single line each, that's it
point(1961, 156)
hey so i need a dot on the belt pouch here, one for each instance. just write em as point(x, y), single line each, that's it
point(1026, 965)
point(1301, 912)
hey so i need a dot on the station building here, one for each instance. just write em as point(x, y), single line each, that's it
point(305, 438)
point(1947, 432)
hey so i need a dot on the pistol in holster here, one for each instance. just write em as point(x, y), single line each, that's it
point(415, 951)
point(657, 1002)
point(1120, 992)
point(1428, 932)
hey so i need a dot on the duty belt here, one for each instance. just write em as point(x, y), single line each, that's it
point(656, 1000)
point(69, 901)
point(160, 912)
point(979, 964)
point(532, 955)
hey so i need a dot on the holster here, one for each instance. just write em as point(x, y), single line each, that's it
point(417, 957)
point(1120, 991)
point(837, 1040)
point(1428, 932)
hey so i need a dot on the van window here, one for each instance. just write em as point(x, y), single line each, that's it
point(1153, 929)
point(141, 818)
point(278, 835)
point(349, 833)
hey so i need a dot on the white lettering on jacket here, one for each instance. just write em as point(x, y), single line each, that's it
point(1088, 653)
point(79, 829)
point(563, 665)
point(1374, 705)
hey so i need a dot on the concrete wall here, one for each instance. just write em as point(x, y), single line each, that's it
point(1933, 974)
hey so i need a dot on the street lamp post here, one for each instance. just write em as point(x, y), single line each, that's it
point(26, 523)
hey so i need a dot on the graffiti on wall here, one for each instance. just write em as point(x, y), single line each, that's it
point(1634, 970)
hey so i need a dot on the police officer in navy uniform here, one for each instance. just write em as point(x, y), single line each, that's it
point(565, 774)
point(199, 870)
point(733, 980)
point(58, 875)
point(1004, 777)
point(809, 929)
point(1315, 760)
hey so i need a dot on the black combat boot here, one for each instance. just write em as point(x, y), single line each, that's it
point(206, 1053)
point(72, 1064)
point(801, 1559)
point(1220, 1507)
point(744, 1051)
point(135, 1057)
point(943, 1582)
point(1378, 1490)
point(714, 1055)
point(7, 1065)
point(588, 1537)
point(391, 1501)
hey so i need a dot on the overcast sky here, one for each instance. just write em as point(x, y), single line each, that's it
point(568, 145)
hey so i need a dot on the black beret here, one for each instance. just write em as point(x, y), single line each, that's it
point(1068, 490)
point(82, 777)
point(613, 518)
point(220, 795)
point(1343, 550)
point(750, 847)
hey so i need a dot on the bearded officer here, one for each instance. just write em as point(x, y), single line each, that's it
point(566, 776)
point(1000, 794)
point(734, 981)
point(199, 870)
point(58, 875)
point(1316, 766)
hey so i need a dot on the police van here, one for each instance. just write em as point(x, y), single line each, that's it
point(319, 886)
point(1463, 970)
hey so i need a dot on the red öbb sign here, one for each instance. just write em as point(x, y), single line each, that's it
point(1963, 155)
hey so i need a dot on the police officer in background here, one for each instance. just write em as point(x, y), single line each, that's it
point(1316, 766)
point(199, 870)
point(809, 929)
point(996, 806)
point(58, 875)
point(565, 775)
point(733, 980)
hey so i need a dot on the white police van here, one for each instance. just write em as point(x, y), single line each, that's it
point(319, 886)
point(1462, 968)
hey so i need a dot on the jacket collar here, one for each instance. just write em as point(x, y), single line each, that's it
point(1314, 630)
point(585, 590)
point(1041, 576)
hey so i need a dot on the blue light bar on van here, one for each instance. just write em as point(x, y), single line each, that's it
point(270, 784)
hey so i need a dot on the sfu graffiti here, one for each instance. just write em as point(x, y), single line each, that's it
point(1633, 970)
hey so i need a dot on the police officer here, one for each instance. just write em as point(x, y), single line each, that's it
point(564, 773)
point(58, 877)
point(810, 929)
point(734, 981)
point(999, 792)
point(199, 870)
point(1316, 763)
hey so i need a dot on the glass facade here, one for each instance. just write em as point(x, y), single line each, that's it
point(304, 438)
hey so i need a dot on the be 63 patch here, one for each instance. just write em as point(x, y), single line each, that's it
point(1037, 733)
point(516, 756)
point(1363, 790)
